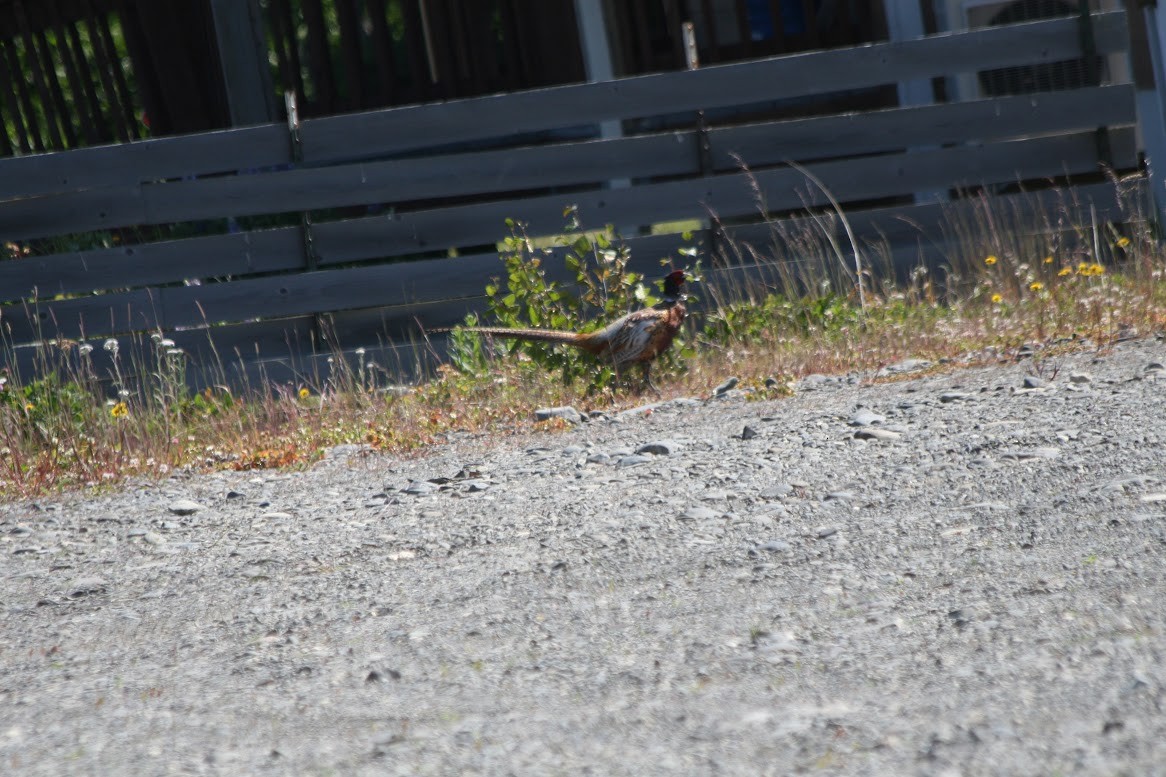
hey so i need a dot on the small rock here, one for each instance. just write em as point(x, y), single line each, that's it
point(780, 491)
point(907, 365)
point(420, 488)
point(631, 461)
point(641, 410)
point(345, 451)
point(866, 417)
point(748, 433)
point(185, 507)
point(87, 586)
point(659, 448)
point(1080, 378)
point(567, 413)
point(698, 514)
point(876, 434)
point(953, 396)
point(774, 546)
point(1031, 454)
point(826, 531)
point(725, 387)
point(815, 380)
point(598, 458)
point(1033, 382)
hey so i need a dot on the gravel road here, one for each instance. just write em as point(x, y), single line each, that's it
point(960, 573)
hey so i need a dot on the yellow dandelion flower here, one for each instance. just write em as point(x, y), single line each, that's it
point(1035, 286)
point(29, 406)
point(1096, 269)
point(997, 299)
point(1048, 260)
point(1065, 271)
point(1083, 268)
point(304, 393)
point(1122, 242)
point(120, 410)
point(990, 260)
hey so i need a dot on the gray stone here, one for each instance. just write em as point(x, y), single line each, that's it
point(725, 387)
point(185, 507)
point(699, 514)
point(567, 413)
point(865, 417)
point(87, 586)
point(877, 434)
point(659, 448)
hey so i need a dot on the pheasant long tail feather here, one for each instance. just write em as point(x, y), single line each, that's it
point(533, 335)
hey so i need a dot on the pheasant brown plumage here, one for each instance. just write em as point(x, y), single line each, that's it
point(637, 338)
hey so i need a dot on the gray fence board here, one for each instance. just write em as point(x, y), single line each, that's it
point(982, 121)
point(274, 250)
point(263, 274)
point(173, 157)
point(398, 130)
point(81, 317)
point(149, 264)
point(401, 129)
point(728, 196)
point(669, 154)
point(914, 231)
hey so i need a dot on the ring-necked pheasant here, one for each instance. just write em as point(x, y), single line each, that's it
point(637, 338)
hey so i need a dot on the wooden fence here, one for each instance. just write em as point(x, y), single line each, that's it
point(356, 216)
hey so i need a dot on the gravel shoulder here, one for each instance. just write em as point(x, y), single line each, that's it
point(954, 574)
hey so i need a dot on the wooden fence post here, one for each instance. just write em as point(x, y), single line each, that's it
point(1147, 32)
point(596, 46)
point(904, 22)
point(243, 58)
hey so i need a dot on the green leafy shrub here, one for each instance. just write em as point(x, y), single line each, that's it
point(601, 289)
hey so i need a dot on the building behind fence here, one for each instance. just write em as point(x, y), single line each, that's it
point(278, 245)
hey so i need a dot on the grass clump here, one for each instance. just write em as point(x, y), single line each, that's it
point(811, 299)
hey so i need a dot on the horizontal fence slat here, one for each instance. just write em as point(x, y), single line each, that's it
point(664, 155)
point(348, 185)
point(757, 145)
point(728, 196)
point(206, 153)
point(82, 317)
point(171, 261)
point(398, 130)
point(914, 233)
point(987, 120)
